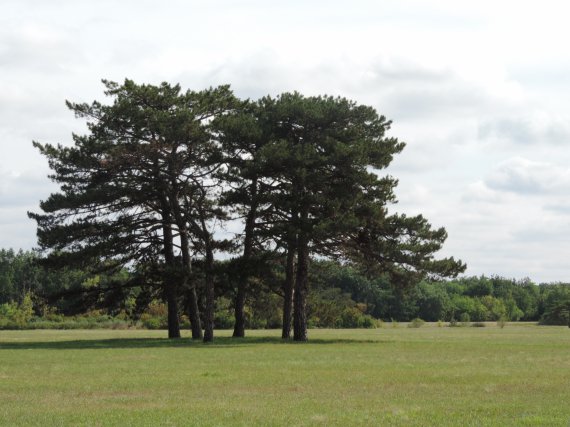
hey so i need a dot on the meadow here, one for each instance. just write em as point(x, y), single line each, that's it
point(517, 375)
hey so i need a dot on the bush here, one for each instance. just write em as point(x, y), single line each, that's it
point(155, 316)
point(353, 318)
point(223, 319)
point(478, 324)
point(416, 323)
point(66, 323)
point(557, 314)
point(368, 322)
point(154, 323)
point(501, 322)
point(17, 316)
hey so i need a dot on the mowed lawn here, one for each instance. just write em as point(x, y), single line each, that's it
point(519, 375)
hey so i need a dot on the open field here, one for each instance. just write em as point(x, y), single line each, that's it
point(519, 375)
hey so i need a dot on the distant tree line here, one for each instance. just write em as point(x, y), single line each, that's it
point(340, 296)
point(164, 182)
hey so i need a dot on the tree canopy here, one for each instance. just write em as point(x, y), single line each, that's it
point(162, 172)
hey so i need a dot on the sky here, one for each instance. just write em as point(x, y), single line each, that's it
point(477, 90)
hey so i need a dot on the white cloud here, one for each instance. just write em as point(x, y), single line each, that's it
point(19, 193)
point(523, 176)
point(467, 85)
point(537, 128)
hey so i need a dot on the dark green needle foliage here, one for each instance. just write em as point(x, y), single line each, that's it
point(126, 185)
point(160, 170)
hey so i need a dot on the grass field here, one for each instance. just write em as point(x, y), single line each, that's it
point(519, 375)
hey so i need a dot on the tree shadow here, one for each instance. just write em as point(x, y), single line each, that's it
point(134, 343)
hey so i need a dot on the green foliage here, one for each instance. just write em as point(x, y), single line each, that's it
point(154, 323)
point(501, 322)
point(155, 316)
point(495, 307)
point(335, 288)
point(24, 312)
point(158, 169)
point(556, 305)
point(433, 301)
point(416, 323)
point(17, 315)
point(464, 319)
point(354, 318)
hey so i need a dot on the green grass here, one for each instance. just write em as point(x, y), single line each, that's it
point(518, 376)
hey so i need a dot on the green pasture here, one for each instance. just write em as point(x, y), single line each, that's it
point(518, 375)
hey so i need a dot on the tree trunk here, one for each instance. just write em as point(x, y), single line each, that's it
point(210, 296)
point(173, 321)
point(194, 314)
point(245, 265)
point(239, 310)
point(192, 304)
point(169, 284)
point(192, 308)
point(288, 291)
point(245, 271)
point(301, 290)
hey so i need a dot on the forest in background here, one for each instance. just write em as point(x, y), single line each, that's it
point(33, 296)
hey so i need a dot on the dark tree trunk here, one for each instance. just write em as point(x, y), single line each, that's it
point(192, 299)
point(288, 292)
point(173, 321)
point(194, 314)
point(169, 284)
point(245, 268)
point(239, 310)
point(192, 308)
point(301, 289)
point(210, 296)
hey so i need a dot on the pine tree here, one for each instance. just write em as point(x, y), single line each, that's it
point(124, 184)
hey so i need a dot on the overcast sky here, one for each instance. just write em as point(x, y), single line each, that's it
point(479, 91)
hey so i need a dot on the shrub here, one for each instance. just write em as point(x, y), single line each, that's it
point(153, 323)
point(17, 316)
point(223, 319)
point(416, 323)
point(119, 324)
point(465, 319)
point(349, 318)
point(8, 310)
point(255, 323)
point(478, 324)
point(501, 322)
point(155, 316)
point(367, 322)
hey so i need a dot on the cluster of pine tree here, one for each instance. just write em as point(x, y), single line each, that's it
point(165, 181)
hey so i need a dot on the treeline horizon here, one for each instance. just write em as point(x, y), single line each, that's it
point(339, 297)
